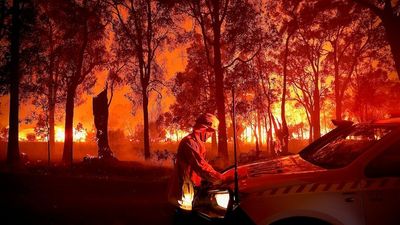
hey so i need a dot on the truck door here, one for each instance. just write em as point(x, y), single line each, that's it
point(381, 189)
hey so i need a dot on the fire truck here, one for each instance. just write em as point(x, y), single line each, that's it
point(349, 176)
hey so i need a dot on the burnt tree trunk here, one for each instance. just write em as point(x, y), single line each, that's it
point(13, 145)
point(100, 112)
point(69, 117)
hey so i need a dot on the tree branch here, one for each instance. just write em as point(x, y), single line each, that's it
point(369, 5)
point(241, 60)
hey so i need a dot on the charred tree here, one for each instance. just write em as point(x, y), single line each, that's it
point(100, 112)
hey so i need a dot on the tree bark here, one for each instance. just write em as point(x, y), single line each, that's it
point(146, 124)
point(52, 96)
point(271, 144)
point(316, 123)
point(219, 85)
point(338, 100)
point(100, 112)
point(285, 129)
point(259, 129)
point(51, 127)
point(13, 145)
point(214, 142)
point(254, 128)
point(69, 116)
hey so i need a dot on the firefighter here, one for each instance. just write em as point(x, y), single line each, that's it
point(191, 168)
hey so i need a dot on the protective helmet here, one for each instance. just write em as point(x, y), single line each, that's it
point(207, 120)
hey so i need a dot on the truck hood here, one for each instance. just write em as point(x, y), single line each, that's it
point(284, 165)
point(274, 172)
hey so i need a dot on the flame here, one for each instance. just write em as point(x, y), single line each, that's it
point(59, 134)
point(79, 135)
point(175, 136)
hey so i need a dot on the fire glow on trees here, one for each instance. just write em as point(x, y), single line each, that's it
point(326, 60)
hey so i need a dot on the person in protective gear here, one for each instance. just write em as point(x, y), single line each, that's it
point(191, 168)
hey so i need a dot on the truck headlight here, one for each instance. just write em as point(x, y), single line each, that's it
point(222, 199)
point(213, 204)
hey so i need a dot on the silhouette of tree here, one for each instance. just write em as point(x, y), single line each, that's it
point(85, 25)
point(4, 46)
point(197, 80)
point(51, 61)
point(19, 30)
point(389, 13)
point(308, 78)
point(141, 29)
point(284, 14)
point(229, 30)
point(353, 37)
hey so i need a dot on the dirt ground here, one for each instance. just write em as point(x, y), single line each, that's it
point(127, 193)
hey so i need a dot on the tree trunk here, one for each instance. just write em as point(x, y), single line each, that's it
point(285, 129)
point(339, 105)
point(260, 142)
point(146, 124)
point(254, 128)
point(219, 86)
point(338, 99)
point(51, 128)
point(266, 132)
point(272, 125)
point(214, 142)
point(52, 96)
point(51, 99)
point(13, 145)
point(315, 117)
point(391, 23)
point(69, 120)
point(100, 112)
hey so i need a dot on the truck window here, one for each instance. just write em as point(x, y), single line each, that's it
point(345, 147)
point(385, 165)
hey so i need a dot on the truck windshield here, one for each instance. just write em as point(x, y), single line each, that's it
point(346, 146)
